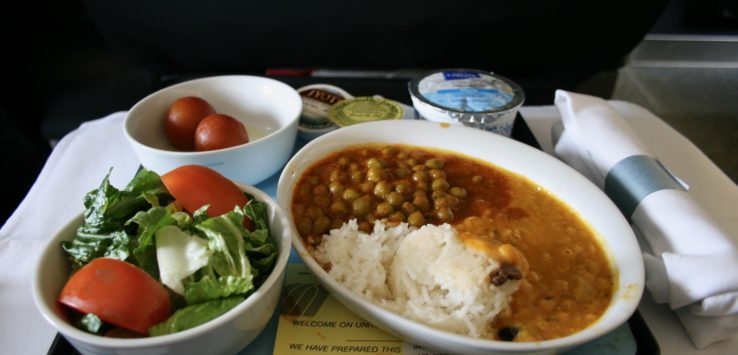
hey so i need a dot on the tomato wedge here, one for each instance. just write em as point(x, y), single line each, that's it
point(118, 293)
point(194, 186)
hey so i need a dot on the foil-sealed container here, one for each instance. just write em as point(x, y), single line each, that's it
point(317, 100)
point(469, 97)
point(365, 109)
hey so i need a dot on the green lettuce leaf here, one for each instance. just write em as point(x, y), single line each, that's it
point(107, 208)
point(107, 211)
point(192, 316)
point(241, 259)
point(259, 246)
point(209, 288)
point(200, 214)
point(257, 212)
point(144, 249)
point(225, 240)
point(149, 182)
point(87, 246)
point(90, 323)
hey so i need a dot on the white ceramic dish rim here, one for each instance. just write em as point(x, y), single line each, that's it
point(185, 84)
point(69, 330)
point(371, 132)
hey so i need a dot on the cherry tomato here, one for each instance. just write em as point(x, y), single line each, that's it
point(118, 293)
point(182, 119)
point(194, 186)
point(219, 131)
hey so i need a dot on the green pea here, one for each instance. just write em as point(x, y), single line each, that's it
point(402, 173)
point(438, 194)
point(420, 176)
point(321, 225)
point(453, 201)
point(389, 152)
point(459, 192)
point(439, 184)
point(350, 194)
point(365, 226)
point(339, 208)
point(446, 201)
point(375, 163)
point(367, 187)
point(421, 202)
point(336, 187)
point(434, 163)
point(322, 200)
point(403, 188)
point(440, 202)
point(374, 174)
point(395, 198)
point(313, 212)
point(416, 219)
point(357, 176)
point(343, 161)
point(445, 215)
point(437, 174)
point(337, 175)
point(384, 209)
point(361, 206)
point(408, 207)
point(381, 189)
point(397, 217)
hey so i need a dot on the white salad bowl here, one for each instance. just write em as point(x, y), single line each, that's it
point(592, 205)
point(269, 109)
point(226, 334)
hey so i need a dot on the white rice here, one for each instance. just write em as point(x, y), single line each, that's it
point(424, 274)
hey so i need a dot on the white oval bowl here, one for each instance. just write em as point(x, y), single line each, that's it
point(268, 108)
point(226, 334)
point(616, 235)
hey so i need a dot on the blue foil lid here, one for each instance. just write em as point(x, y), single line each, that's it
point(467, 90)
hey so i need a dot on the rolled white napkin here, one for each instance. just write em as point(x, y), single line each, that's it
point(692, 263)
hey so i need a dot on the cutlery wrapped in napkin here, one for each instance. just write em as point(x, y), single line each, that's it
point(692, 263)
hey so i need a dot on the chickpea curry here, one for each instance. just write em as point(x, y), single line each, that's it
point(567, 281)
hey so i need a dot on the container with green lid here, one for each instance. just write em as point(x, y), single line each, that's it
point(365, 109)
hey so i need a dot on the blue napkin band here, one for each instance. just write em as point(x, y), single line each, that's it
point(631, 179)
point(634, 178)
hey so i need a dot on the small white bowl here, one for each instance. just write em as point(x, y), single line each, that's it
point(268, 108)
point(226, 334)
point(568, 185)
